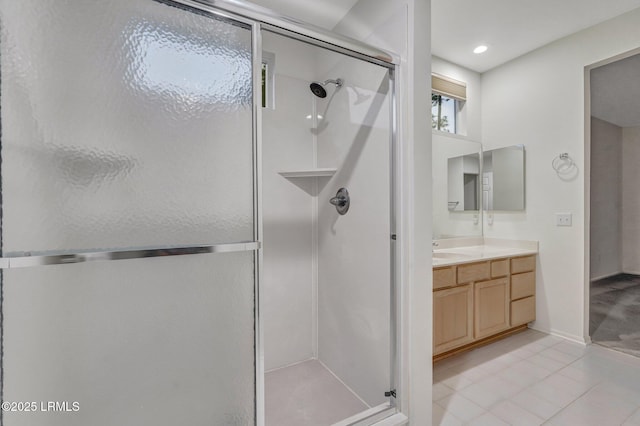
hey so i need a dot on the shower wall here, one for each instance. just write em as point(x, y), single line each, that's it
point(288, 208)
point(354, 249)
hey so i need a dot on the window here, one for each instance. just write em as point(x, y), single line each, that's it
point(443, 113)
point(447, 99)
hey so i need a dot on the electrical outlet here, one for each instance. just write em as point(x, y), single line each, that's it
point(563, 219)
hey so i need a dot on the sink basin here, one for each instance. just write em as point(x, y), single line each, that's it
point(449, 255)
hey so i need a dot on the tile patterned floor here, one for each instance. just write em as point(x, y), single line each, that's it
point(532, 379)
point(615, 313)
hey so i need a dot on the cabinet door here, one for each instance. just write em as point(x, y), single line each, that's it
point(452, 318)
point(491, 307)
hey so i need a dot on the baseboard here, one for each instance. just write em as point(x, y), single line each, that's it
point(567, 336)
point(289, 365)
point(478, 343)
point(602, 277)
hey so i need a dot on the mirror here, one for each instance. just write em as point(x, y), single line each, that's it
point(463, 183)
point(503, 179)
point(467, 181)
point(456, 187)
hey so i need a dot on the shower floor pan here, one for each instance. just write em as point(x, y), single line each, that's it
point(308, 394)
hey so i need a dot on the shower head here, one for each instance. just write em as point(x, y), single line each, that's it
point(317, 88)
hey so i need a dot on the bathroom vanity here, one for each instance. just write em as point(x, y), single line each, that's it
point(483, 290)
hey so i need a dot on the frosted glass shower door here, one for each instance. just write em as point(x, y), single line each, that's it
point(127, 137)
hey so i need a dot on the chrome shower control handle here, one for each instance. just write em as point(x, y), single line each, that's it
point(338, 201)
point(342, 201)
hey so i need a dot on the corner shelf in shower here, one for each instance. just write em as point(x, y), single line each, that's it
point(324, 172)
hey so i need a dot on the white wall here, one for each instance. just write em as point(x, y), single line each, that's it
point(630, 200)
point(606, 199)
point(402, 26)
point(469, 121)
point(538, 100)
point(507, 175)
point(288, 209)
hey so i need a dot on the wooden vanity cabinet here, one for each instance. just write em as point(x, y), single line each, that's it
point(478, 302)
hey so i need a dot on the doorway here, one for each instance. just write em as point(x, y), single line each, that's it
point(614, 205)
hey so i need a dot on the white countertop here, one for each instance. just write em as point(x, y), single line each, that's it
point(456, 251)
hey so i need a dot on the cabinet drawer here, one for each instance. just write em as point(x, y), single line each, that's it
point(523, 311)
point(523, 264)
point(523, 285)
point(473, 272)
point(499, 268)
point(444, 277)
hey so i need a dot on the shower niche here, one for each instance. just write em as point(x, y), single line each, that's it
point(326, 283)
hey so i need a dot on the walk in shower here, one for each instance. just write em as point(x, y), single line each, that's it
point(172, 249)
point(327, 270)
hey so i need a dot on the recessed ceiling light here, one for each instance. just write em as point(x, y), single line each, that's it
point(480, 49)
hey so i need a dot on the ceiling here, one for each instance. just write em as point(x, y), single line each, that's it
point(509, 27)
point(615, 92)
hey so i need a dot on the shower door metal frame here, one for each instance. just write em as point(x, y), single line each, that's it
point(293, 26)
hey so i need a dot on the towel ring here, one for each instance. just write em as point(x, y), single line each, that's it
point(563, 163)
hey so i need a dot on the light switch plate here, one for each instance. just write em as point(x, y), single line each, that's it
point(563, 219)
